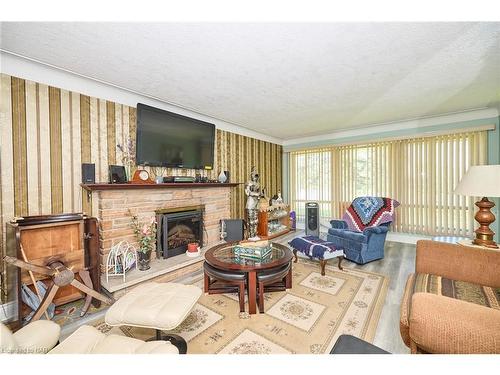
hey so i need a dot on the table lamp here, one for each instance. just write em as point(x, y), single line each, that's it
point(482, 181)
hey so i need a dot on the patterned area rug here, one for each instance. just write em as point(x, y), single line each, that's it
point(70, 313)
point(308, 318)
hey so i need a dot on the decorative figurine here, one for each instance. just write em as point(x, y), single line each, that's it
point(253, 193)
point(277, 199)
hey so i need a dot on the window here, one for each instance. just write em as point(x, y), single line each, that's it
point(420, 173)
point(313, 182)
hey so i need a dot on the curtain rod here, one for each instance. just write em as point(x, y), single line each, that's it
point(427, 134)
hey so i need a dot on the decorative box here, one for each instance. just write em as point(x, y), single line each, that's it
point(253, 250)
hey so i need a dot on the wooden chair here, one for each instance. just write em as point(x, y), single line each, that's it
point(219, 281)
point(273, 280)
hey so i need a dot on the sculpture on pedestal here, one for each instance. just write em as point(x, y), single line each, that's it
point(253, 193)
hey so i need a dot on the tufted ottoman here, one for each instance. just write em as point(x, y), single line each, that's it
point(159, 306)
point(315, 247)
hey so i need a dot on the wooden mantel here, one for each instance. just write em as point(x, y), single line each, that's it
point(129, 186)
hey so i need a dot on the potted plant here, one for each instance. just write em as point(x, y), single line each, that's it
point(146, 235)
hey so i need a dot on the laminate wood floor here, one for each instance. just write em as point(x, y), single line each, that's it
point(398, 263)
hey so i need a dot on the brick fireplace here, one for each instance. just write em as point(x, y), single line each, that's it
point(111, 205)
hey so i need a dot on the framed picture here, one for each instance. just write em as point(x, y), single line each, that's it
point(117, 174)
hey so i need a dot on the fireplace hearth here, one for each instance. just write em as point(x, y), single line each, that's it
point(176, 228)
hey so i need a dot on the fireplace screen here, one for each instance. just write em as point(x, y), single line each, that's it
point(177, 229)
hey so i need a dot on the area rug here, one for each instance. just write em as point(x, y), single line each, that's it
point(308, 318)
point(69, 313)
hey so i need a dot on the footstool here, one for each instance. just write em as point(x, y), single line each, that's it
point(159, 306)
point(316, 248)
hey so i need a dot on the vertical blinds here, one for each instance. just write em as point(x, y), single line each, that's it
point(311, 179)
point(420, 173)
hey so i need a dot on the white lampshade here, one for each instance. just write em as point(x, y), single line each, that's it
point(480, 181)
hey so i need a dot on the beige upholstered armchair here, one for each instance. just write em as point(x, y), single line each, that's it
point(35, 338)
point(451, 302)
point(42, 336)
point(159, 306)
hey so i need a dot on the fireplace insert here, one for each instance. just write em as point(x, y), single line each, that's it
point(176, 230)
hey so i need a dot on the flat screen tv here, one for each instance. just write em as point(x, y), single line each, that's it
point(166, 139)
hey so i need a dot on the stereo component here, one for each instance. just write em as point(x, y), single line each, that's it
point(179, 179)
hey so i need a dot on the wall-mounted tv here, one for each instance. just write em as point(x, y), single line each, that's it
point(166, 139)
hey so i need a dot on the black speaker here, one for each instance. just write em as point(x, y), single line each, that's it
point(232, 230)
point(312, 219)
point(88, 173)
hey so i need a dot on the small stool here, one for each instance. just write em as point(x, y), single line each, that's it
point(268, 277)
point(159, 306)
point(219, 281)
point(315, 247)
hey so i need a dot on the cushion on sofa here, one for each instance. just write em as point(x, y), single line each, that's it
point(451, 294)
point(348, 234)
point(441, 286)
point(443, 325)
point(461, 290)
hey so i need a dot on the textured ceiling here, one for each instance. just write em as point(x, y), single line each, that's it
point(283, 80)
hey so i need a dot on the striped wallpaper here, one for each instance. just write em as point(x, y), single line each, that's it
point(46, 133)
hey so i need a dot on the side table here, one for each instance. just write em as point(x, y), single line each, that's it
point(468, 242)
point(449, 239)
point(463, 241)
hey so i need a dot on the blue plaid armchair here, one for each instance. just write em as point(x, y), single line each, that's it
point(364, 227)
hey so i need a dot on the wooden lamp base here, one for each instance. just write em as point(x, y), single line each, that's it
point(484, 235)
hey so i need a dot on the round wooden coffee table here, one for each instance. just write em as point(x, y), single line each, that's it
point(223, 258)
